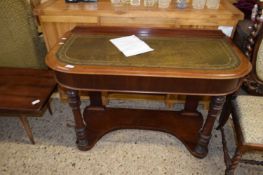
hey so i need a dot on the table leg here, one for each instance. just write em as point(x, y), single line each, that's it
point(215, 109)
point(80, 127)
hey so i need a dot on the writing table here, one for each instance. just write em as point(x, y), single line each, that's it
point(188, 62)
point(57, 17)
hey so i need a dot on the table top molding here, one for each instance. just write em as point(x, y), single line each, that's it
point(236, 72)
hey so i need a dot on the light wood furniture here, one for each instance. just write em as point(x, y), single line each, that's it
point(57, 17)
point(19, 87)
point(187, 62)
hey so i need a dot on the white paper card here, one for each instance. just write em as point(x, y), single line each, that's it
point(35, 102)
point(131, 45)
point(227, 30)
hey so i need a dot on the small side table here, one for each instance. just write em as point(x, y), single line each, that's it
point(25, 92)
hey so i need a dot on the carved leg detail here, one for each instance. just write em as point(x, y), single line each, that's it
point(80, 127)
point(215, 109)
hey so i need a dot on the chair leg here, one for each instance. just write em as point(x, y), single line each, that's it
point(234, 162)
point(227, 158)
point(49, 109)
point(224, 116)
point(27, 128)
point(231, 164)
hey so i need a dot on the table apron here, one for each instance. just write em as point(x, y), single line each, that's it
point(144, 84)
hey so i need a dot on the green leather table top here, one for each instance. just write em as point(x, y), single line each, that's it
point(169, 52)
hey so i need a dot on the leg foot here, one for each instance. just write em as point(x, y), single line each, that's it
point(80, 127)
point(215, 109)
point(27, 128)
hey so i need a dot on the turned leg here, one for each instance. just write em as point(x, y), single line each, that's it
point(80, 127)
point(215, 109)
point(27, 128)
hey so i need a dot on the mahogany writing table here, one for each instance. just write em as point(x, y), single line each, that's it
point(189, 62)
point(57, 17)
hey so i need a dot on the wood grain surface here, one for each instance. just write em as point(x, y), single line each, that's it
point(57, 17)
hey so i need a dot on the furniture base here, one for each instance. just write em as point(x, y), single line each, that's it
point(183, 125)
